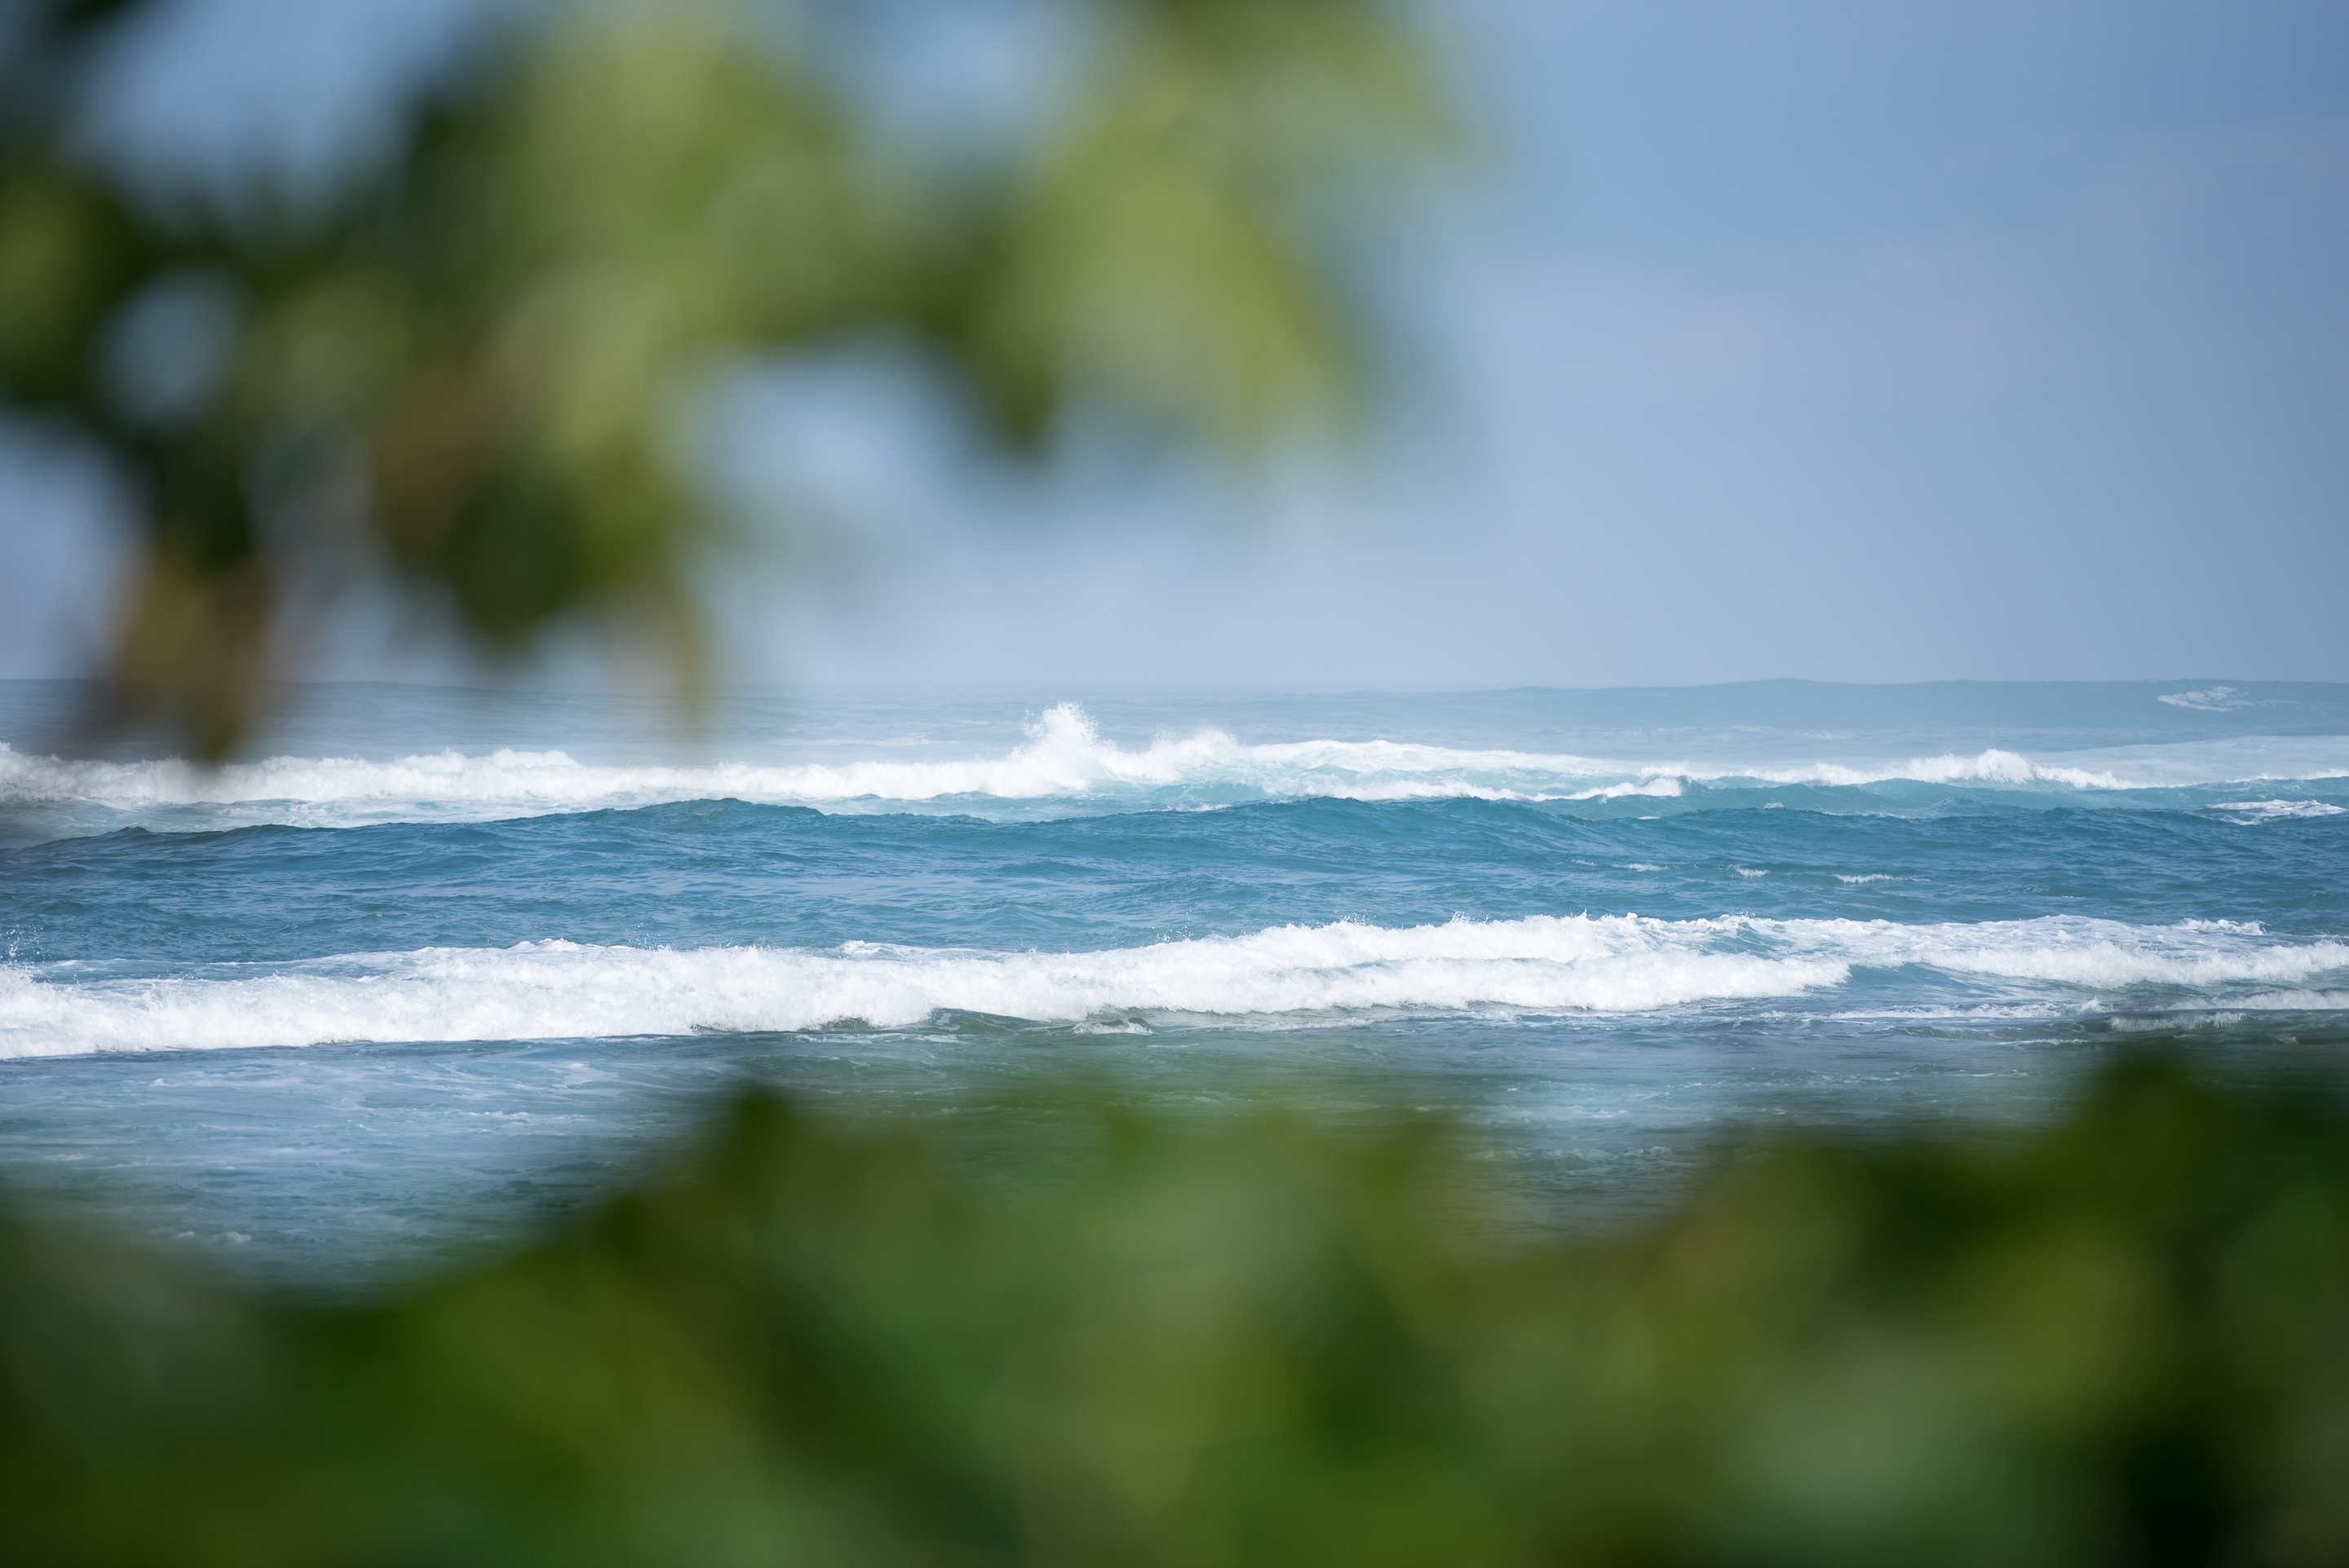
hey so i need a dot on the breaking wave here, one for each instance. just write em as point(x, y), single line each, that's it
point(1540, 964)
point(1065, 759)
point(2249, 813)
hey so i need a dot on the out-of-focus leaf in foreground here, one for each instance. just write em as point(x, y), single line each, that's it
point(1188, 1343)
point(469, 365)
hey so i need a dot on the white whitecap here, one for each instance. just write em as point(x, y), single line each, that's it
point(1539, 965)
point(2214, 699)
point(2255, 811)
point(1064, 758)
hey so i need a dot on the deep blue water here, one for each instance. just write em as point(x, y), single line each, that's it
point(434, 965)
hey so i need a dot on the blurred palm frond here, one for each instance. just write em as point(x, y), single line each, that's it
point(1180, 1341)
point(465, 367)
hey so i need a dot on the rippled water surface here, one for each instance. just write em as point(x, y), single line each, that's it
point(434, 964)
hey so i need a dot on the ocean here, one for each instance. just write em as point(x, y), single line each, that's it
point(438, 967)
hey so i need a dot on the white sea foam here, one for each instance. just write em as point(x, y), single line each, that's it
point(1065, 759)
point(2216, 699)
point(1666, 787)
point(2253, 811)
point(1540, 964)
point(1992, 767)
point(2293, 1002)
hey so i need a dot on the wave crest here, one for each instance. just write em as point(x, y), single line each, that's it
point(1539, 965)
point(1064, 758)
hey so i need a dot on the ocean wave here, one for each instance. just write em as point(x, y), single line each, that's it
point(1066, 758)
point(1539, 965)
point(2293, 1002)
point(2216, 699)
point(2171, 1023)
point(2256, 811)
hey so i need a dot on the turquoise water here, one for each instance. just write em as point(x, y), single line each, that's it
point(438, 965)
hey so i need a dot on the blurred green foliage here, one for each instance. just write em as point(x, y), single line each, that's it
point(465, 365)
point(1187, 1341)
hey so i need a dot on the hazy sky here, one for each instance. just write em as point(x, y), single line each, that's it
point(1848, 341)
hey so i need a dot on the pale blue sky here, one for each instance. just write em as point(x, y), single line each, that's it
point(1848, 341)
